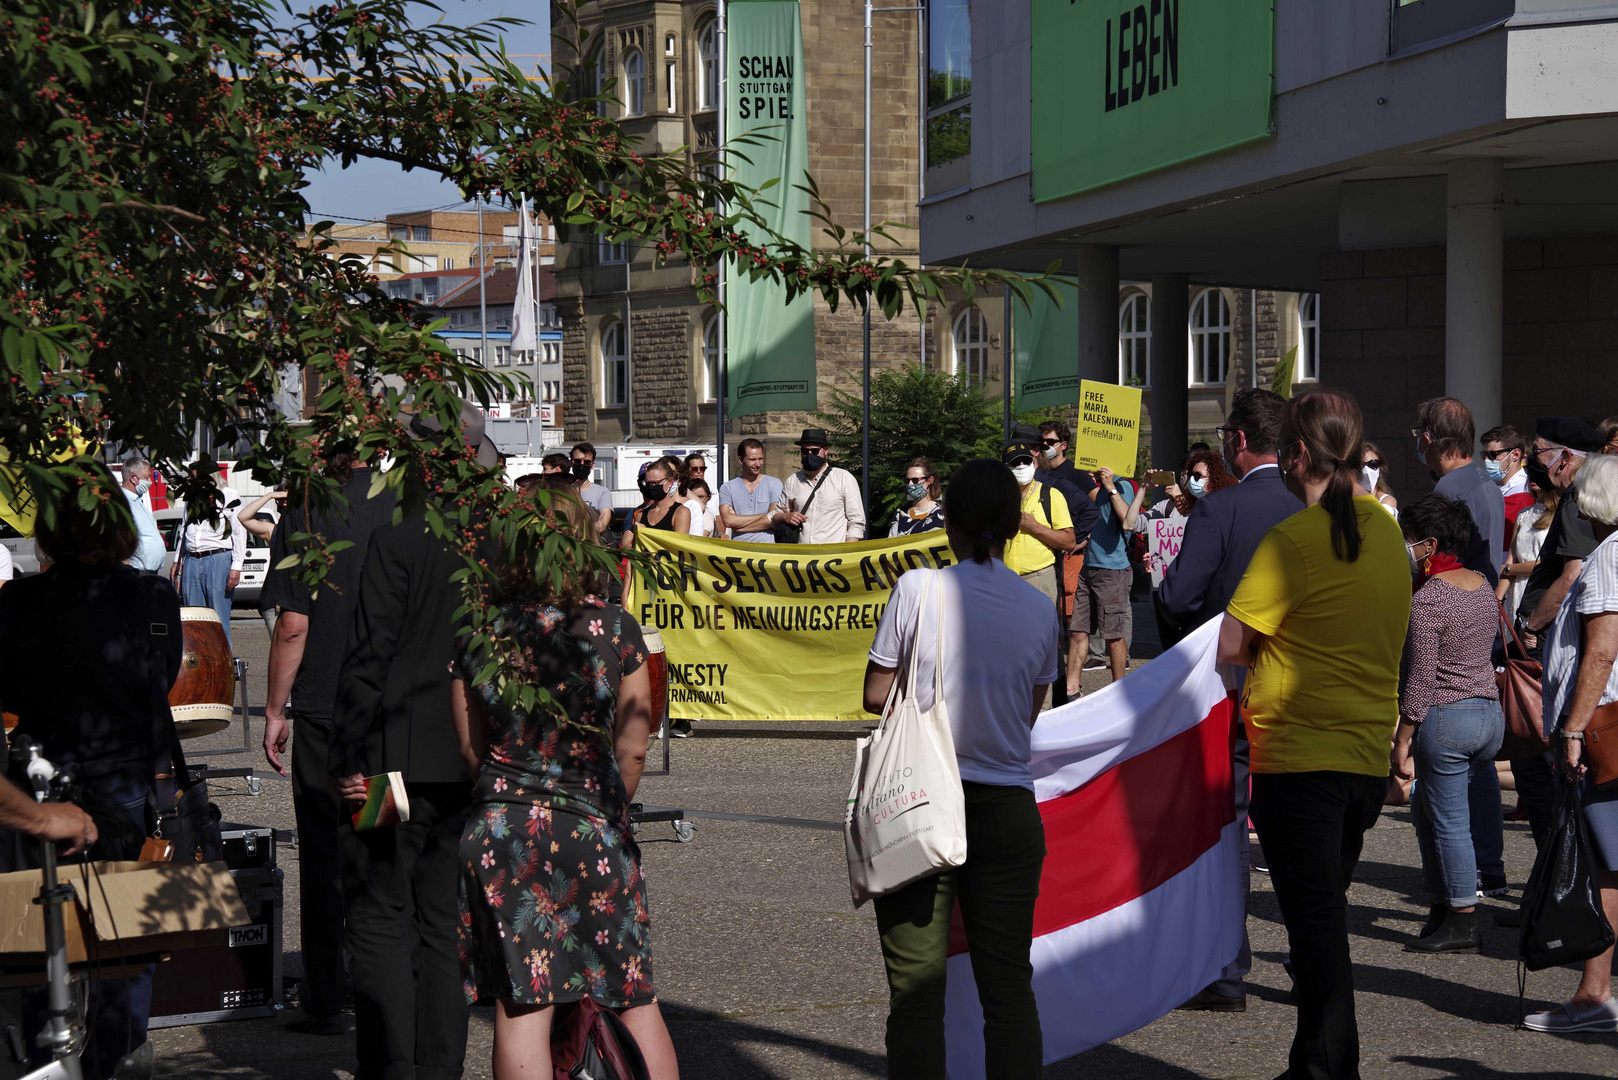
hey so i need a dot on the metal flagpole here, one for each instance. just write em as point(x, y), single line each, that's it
point(483, 274)
point(1008, 365)
point(721, 361)
point(865, 404)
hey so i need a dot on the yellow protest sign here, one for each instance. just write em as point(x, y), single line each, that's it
point(770, 631)
point(1108, 431)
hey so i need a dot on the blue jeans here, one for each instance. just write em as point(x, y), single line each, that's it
point(202, 584)
point(1458, 822)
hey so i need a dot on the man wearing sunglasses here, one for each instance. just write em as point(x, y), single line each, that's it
point(1445, 435)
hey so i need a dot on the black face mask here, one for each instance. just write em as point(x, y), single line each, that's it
point(581, 470)
point(813, 462)
point(1539, 474)
point(653, 492)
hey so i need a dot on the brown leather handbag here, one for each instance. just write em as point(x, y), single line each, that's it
point(1521, 701)
point(1601, 745)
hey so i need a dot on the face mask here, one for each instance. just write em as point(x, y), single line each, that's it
point(1224, 455)
point(1494, 470)
point(1197, 487)
point(143, 486)
point(581, 470)
point(653, 492)
point(915, 492)
point(1023, 473)
point(1052, 451)
point(813, 462)
point(1369, 477)
point(1539, 473)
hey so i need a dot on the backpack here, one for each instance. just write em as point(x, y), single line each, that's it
point(589, 1042)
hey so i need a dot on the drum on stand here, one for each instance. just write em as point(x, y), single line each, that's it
point(657, 667)
point(203, 697)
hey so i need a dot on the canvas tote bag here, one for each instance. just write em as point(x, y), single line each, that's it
point(906, 815)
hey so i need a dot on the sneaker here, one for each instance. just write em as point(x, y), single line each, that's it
point(1493, 884)
point(1603, 1017)
point(680, 729)
point(1094, 663)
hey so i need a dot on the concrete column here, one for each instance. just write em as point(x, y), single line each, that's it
point(1098, 312)
point(1474, 285)
point(1171, 307)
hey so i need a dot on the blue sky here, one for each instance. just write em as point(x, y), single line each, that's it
point(369, 189)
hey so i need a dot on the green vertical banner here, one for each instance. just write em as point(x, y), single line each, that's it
point(771, 343)
point(1045, 342)
point(1121, 89)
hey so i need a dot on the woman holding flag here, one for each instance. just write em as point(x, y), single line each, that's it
point(1000, 656)
point(1320, 619)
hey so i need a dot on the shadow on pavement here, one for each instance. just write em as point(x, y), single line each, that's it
point(1461, 1069)
point(711, 1044)
point(1113, 1062)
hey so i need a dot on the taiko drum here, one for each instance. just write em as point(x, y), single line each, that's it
point(657, 668)
point(202, 699)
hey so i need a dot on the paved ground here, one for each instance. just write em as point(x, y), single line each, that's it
point(768, 973)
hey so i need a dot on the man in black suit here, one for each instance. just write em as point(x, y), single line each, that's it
point(393, 715)
point(306, 651)
point(1222, 533)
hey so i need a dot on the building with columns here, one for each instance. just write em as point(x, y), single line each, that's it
point(1431, 179)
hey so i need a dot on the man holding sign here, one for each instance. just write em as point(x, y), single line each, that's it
point(1101, 604)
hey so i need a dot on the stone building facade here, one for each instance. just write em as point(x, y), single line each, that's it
point(656, 382)
point(663, 58)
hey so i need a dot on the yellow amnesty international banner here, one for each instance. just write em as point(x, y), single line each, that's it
point(1108, 431)
point(770, 631)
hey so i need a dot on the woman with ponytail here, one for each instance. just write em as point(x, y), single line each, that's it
point(997, 658)
point(1319, 620)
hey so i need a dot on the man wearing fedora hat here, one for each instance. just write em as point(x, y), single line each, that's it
point(820, 500)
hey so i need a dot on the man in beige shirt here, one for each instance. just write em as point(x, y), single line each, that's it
point(837, 513)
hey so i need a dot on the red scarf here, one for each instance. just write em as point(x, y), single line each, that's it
point(1438, 563)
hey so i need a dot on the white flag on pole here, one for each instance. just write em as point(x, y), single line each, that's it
point(522, 311)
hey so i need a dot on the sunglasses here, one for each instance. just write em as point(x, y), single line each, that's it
point(698, 470)
point(1494, 455)
point(1051, 442)
point(1373, 464)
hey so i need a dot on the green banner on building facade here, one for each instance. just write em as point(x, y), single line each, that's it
point(1123, 89)
point(771, 343)
point(1045, 341)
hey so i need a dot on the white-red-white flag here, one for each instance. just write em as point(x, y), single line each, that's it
point(1140, 901)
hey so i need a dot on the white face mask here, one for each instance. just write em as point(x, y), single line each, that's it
point(1197, 486)
point(1369, 477)
point(1023, 473)
point(142, 486)
point(1051, 452)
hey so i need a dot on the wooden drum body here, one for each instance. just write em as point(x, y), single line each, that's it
point(657, 667)
point(203, 697)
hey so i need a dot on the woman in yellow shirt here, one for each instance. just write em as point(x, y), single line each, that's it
point(1319, 619)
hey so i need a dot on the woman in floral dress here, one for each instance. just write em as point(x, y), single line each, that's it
point(553, 905)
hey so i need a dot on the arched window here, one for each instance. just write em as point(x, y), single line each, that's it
point(710, 360)
point(1210, 338)
point(668, 44)
point(634, 83)
point(971, 342)
point(595, 77)
point(1135, 341)
point(614, 366)
point(1308, 369)
point(708, 54)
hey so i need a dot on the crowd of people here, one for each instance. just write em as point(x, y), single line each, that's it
point(1359, 676)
